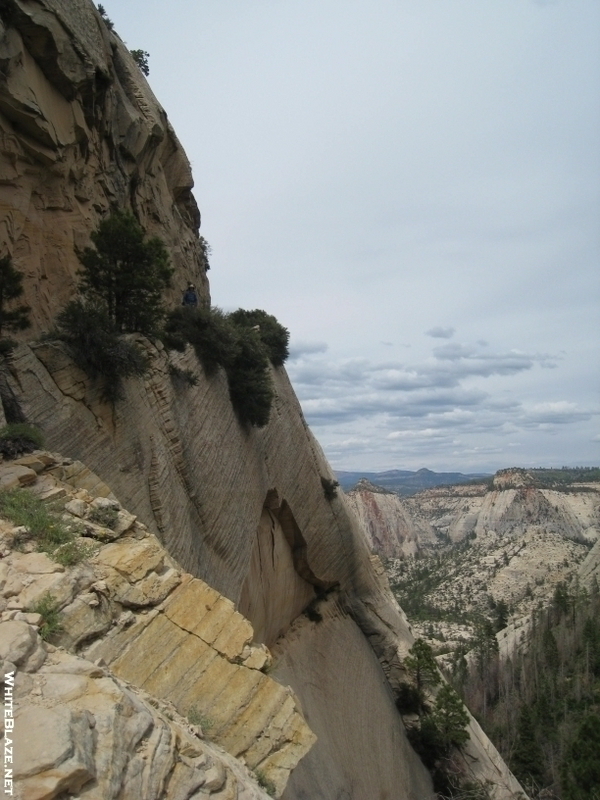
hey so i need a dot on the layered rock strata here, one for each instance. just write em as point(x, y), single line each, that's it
point(142, 647)
point(242, 510)
point(80, 133)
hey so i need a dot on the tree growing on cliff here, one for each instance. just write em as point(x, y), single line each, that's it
point(127, 273)
point(15, 318)
point(141, 59)
point(97, 348)
point(422, 668)
point(271, 332)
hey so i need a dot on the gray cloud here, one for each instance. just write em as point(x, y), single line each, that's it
point(367, 170)
point(300, 349)
point(441, 333)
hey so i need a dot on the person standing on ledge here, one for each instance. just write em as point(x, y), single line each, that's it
point(190, 298)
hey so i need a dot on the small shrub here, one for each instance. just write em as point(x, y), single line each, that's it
point(107, 516)
point(141, 59)
point(265, 782)
point(185, 376)
point(272, 334)
point(97, 348)
point(330, 488)
point(108, 22)
point(250, 385)
point(47, 606)
point(19, 438)
point(208, 331)
point(409, 699)
point(7, 346)
point(195, 717)
point(220, 341)
point(312, 612)
point(51, 534)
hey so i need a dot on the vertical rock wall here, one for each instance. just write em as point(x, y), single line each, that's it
point(80, 133)
point(243, 509)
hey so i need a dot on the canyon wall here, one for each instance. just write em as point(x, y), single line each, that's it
point(81, 133)
point(241, 509)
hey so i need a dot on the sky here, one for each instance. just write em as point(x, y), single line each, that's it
point(412, 187)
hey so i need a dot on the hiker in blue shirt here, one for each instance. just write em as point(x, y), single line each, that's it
point(190, 298)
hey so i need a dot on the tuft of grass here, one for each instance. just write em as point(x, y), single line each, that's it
point(195, 717)
point(47, 606)
point(107, 516)
point(18, 438)
point(51, 534)
point(72, 553)
point(265, 782)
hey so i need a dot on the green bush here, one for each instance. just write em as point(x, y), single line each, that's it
point(18, 438)
point(231, 342)
point(51, 534)
point(409, 700)
point(97, 348)
point(105, 515)
point(209, 332)
point(47, 606)
point(250, 385)
point(272, 334)
point(108, 22)
point(141, 59)
point(185, 376)
point(330, 488)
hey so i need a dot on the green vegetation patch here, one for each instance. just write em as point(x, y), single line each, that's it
point(265, 783)
point(52, 536)
point(47, 606)
point(541, 707)
point(243, 343)
point(18, 438)
point(98, 348)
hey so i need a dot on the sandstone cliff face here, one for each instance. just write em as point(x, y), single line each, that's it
point(81, 132)
point(512, 543)
point(142, 647)
point(389, 527)
point(242, 510)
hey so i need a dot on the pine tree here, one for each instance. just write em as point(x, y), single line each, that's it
point(127, 273)
point(422, 668)
point(11, 288)
point(580, 773)
point(451, 718)
point(527, 760)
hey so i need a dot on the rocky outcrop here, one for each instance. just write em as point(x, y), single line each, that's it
point(80, 133)
point(242, 510)
point(512, 544)
point(143, 648)
point(390, 529)
point(252, 521)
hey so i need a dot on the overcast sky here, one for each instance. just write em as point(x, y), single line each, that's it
point(412, 187)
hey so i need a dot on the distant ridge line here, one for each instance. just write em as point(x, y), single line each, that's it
point(407, 482)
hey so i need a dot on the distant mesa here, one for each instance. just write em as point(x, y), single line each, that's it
point(405, 482)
